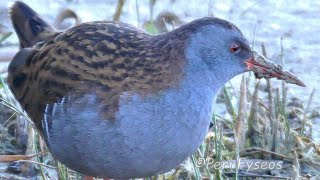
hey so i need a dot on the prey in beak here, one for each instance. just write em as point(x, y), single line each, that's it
point(264, 68)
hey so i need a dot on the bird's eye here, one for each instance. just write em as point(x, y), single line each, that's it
point(235, 48)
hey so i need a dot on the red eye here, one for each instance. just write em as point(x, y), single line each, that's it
point(234, 48)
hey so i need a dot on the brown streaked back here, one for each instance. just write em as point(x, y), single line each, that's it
point(103, 58)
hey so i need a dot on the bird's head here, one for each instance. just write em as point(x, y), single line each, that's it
point(221, 47)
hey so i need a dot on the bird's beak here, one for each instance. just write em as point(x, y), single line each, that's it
point(264, 68)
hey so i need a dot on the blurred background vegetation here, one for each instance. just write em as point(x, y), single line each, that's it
point(254, 119)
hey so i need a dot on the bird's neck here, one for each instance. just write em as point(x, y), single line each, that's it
point(200, 74)
point(177, 51)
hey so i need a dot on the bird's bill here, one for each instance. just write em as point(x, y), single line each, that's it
point(264, 68)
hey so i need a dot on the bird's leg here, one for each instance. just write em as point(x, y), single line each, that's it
point(10, 158)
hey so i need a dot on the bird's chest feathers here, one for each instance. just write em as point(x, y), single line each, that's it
point(190, 102)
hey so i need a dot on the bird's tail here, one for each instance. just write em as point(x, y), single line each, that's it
point(29, 26)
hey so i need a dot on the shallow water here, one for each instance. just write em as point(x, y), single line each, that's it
point(260, 21)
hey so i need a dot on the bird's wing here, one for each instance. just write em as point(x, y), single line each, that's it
point(100, 58)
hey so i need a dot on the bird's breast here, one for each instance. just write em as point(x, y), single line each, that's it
point(150, 134)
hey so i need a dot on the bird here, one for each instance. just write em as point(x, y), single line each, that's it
point(113, 101)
